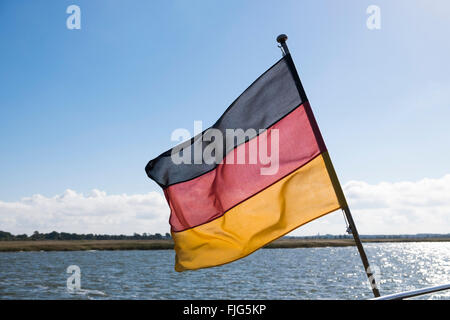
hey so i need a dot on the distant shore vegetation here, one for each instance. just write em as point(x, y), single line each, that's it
point(62, 241)
point(37, 236)
point(54, 235)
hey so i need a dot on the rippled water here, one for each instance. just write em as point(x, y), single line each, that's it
point(312, 273)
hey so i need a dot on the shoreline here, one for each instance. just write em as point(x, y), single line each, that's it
point(83, 245)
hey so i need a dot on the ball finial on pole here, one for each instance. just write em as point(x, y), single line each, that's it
point(281, 39)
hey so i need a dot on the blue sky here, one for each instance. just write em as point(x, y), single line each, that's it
point(86, 109)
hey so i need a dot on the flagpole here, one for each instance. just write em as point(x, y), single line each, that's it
point(281, 39)
point(362, 253)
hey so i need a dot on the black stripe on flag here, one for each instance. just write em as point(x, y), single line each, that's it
point(271, 97)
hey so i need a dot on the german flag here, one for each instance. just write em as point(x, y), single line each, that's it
point(223, 210)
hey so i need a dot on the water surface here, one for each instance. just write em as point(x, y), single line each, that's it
point(304, 273)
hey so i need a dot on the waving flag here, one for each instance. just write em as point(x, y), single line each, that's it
point(223, 210)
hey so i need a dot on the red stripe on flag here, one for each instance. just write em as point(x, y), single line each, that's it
point(209, 196)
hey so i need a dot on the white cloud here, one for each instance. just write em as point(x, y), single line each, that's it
point(392, 208)
point(95, 212)
point(385, 208)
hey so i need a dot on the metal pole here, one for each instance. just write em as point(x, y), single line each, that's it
point(281, 39)
point(362, 253)
point(414, 293)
